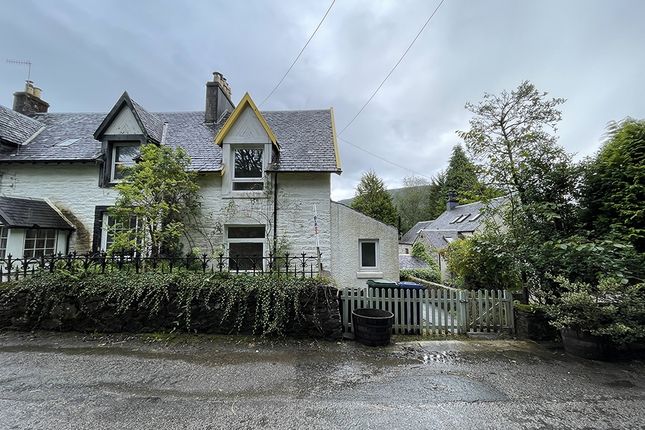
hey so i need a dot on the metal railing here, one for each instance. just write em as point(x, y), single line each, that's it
point(298, 265)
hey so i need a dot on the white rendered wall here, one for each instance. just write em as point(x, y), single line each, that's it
point(72, 188)
point(350, 226)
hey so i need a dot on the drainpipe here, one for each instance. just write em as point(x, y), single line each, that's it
point(275, 213)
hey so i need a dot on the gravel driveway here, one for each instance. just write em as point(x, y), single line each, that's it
point(74, 381)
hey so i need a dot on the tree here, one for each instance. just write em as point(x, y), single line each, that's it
point(461, 176)
point(412, 202)
point(373, 200)
point(162, 196)
point(513, 135)
point(614, 185)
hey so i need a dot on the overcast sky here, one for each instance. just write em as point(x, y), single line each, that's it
point(85, 53)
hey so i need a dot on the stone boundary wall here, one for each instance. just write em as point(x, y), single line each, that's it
point(320, 317)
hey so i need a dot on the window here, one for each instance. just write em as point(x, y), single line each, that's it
point(110, 228)
point(248, 172)
point(368, 254)
point(123, 156)
point(463, 218)
point(246, 247)
point(476, 217)
point(4, 233)
point(40, 242)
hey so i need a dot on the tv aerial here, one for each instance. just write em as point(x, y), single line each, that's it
point(24, 63)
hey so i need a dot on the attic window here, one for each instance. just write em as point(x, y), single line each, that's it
point(476, 217)
point(463, 218)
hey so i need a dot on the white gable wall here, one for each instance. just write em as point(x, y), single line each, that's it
point(348, 228)
point(124, 123)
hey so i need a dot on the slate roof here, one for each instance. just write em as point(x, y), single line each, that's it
point(463, 218)
point(407, 261)
point(411, 235)
point(28, 213)
point(15, 127)
point(436, 240)
point(152, 124)
point(305, 137)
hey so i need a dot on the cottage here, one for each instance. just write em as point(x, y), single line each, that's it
point(262, 176)
point(456, 222)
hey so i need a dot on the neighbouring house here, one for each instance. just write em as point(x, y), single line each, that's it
point(456, 222)
point(262, 175)
point(408, 239)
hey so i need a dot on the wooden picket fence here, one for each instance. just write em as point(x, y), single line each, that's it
point(430, 311)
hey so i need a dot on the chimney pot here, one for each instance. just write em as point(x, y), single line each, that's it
point(28, 102)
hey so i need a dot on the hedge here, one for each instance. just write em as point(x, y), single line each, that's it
point(264, 305)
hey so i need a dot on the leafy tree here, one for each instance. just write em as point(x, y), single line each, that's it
point(162, 195)
point(461, 176)
point(373, 200)
point(513, 135)
point(614, 189)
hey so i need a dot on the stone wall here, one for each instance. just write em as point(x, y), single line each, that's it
point(98, 312)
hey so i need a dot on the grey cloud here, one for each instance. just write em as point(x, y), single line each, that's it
point(85, 53)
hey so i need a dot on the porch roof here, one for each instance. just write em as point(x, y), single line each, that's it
point(30, 213)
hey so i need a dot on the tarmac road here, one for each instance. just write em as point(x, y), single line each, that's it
point(75, 381)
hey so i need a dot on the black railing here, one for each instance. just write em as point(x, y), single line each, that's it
point(297, 265)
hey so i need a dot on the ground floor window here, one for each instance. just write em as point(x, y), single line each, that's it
point(4, 234)
point(39, 242)
point(368, 250)
point(245, 247)
point(111, 228)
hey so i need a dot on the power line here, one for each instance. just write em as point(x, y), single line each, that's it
point(299, 54)
point(385, 159)
point(393, 68)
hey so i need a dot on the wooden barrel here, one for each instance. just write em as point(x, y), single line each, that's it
point(372, 327)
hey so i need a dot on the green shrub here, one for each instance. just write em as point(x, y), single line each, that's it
point(431, 275)
point(612, 309)
point(483, 261)
point(273, 302)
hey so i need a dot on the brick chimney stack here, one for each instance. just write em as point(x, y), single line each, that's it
point(218, 98)
point(28, 102)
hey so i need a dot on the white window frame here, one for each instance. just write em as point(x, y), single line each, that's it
point(115, 145)
point(259, 179)
point(4, 236)
point(35, 248)
point(105, 226)
point(262, 241)
point(360, 254)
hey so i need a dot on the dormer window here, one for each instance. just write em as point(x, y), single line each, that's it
point(248, 172)
point(123, 156)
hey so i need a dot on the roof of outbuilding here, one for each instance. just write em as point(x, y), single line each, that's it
point(436, 240)
point(306, 139)
point(411, 235)
point(407, 261)
point(15, 127)
point(30, 213)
